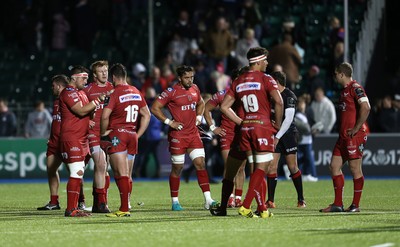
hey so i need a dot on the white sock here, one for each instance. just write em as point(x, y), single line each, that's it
point(232, 195)
point(207, 196)
point(175, 199)
point(239, 197)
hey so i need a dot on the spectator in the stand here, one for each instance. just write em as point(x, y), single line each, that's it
point(139, 75)
point(155, 81)
point(219, 80)
point(277, 67)
point(298, 35)
point(305, 155)
point(202, 77)
point(218, 43)
point(324, 112)
point(243, 45)
point(388, 117)
point(250, 17)
point(177, 47)
point(8, 121)
point(336, 45)
point(312, 80)
point(183, 26)
point(334, 29)
point(288, 57)
point(168, 76)
point(61, 28)
point(38, 123)
point(193, 54)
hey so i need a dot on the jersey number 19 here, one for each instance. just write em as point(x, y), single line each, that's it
point(250, 103)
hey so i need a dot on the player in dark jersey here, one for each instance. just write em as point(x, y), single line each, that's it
point(53, 154)
point(255, 90)
point(186, 106)
point(287, 145)
point(354, 109)
point(123, 110)
point(76, 111)
point(101, 179)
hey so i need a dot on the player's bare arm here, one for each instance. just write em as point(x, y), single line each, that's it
point(83, 110)
point(207, 116)
point(362, 117)
point(144, 120)
point(277, 98)
point(227, 110)
point(156, 109)
point(105, 120)
point(199, 111)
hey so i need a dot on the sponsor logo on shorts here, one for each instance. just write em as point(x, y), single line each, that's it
point(291, 149)
point(352, 151)
point(130, 97)
point(126, 131)
point(248, 86)
point(115, 141)
point(75, 149)
point(173, 140)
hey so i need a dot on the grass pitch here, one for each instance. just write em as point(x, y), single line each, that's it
point(154, 224)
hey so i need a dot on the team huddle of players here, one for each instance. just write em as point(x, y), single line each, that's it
point(103, 120)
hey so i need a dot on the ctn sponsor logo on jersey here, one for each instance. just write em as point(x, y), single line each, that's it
point(130, 97)
point(248, 86)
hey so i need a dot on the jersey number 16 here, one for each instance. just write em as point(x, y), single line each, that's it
point(131, 113)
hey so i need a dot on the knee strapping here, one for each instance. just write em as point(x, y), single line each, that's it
point(178, 158)
point(198, 152)
point(76, 169)
point(263, 157)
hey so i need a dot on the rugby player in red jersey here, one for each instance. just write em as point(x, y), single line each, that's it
point(101, 179)
point(76, 111)
point(186, 106)
point(53, 154)
point(230, 136)
point(124, 119)
point(354, 109)
point(255, 90)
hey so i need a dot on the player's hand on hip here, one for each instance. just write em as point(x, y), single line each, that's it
point(352, 132)
point(176, 125)
point(91, 124)
point(219, 131)
point(105, 141)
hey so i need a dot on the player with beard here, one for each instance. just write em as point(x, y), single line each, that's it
point(186, 106)
point(76, 111)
